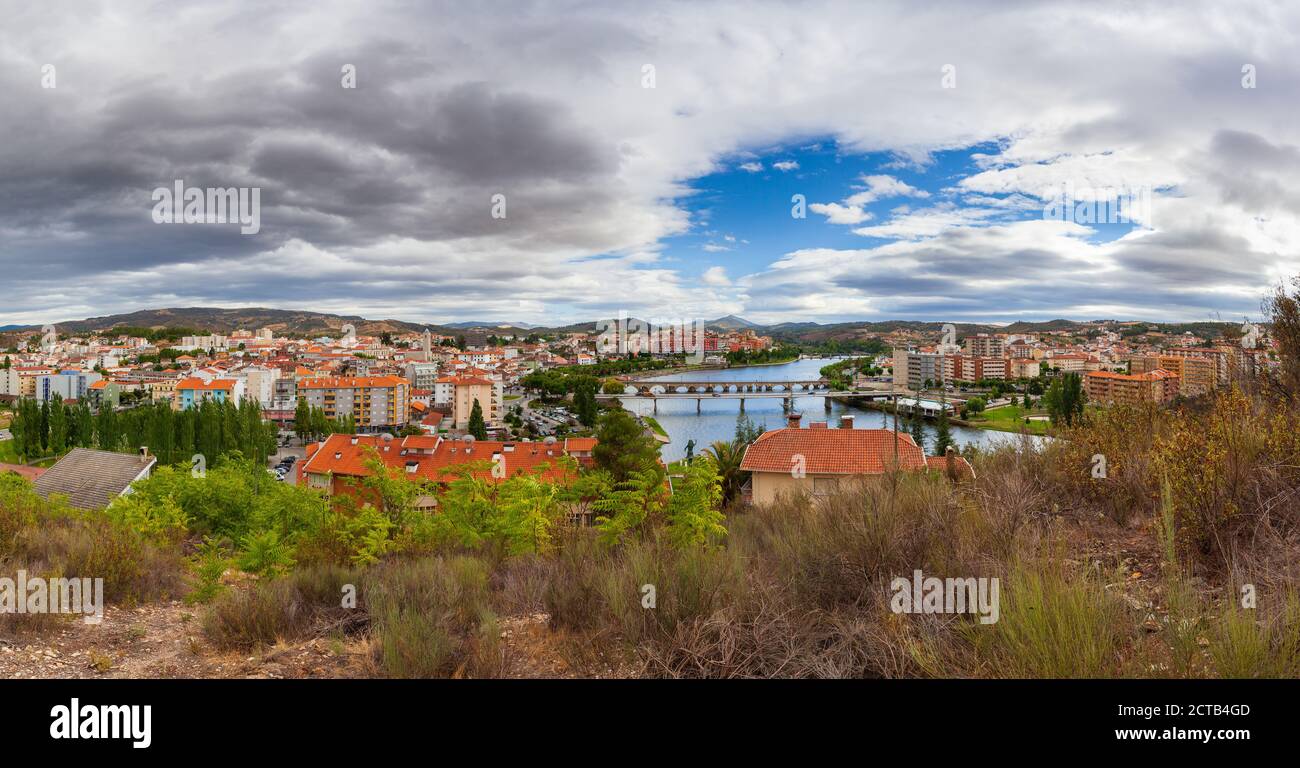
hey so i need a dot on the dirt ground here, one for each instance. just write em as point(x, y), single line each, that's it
point(166, 641)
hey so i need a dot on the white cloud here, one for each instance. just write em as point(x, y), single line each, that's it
point(752, 167)
point(386, 184)
point(786, 165)
point(715, 276)
point(840, 214)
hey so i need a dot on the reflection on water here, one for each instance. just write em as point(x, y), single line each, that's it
point(717, 417)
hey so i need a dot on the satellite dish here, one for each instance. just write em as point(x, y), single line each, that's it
point(550, 440)
point(387, 436)
point(467, 439)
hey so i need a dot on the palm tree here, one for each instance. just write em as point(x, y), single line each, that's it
point(728, 455)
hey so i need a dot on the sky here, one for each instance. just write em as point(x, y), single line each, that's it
point(550, 162)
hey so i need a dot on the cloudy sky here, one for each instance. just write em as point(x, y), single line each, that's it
point(653, 158)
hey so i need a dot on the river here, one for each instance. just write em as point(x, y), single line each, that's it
point(717, 417)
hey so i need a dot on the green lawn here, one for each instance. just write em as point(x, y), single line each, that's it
point(655, 425)
point(1010, 418)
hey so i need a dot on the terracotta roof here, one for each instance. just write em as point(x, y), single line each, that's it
point(831, 451)
point(345, 382)
point(91, 479)
point(206, 386)
point(583, 444)
point(429, 456)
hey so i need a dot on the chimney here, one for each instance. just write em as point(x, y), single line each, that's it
point(950, 463)
point(144, 453)
point(792, 421)
point(846, 421)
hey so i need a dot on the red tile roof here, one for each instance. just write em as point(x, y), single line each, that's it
point(206, 386)
point(832, 451)
point(431, 455)
point(344, 382)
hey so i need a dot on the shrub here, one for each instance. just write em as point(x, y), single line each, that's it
point(432, 618)
point(305, 602)
point(1051, 626)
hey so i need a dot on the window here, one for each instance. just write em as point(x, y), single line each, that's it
point(824, 485)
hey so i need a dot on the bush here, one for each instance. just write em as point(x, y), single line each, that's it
point(1052, 626)
point(307, 601)
point(432, 618)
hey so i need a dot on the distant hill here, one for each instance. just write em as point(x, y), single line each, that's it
point(492, 325)
point(218, 320)
point(303, 323)
point(731, 323)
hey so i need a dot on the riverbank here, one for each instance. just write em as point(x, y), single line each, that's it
point(1008, 419)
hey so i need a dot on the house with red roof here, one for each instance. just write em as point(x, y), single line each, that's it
point(814, 460)
point(340, 461)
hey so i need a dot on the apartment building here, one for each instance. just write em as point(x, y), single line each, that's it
point(68, 385)
point(9, 382)
point(985, 345)
point(1196, 375)
point(966, 368)
point(27, 378)
point(375, 402)
point(1158, 386)
point(912, 369)
point(464, 390)
point(260, 384)
point(1022, 367)
point(191, 392)
point(422, 375)
point(1069, 362)
point(103, 393)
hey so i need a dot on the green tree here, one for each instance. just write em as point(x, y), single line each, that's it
point(1065, 399)
point(726, 458)
point(477, 427)
point(943, 435)
point(746, 432)
point(623, 447)
point(634, 506)
point(58, 439)
point(302, 419)
point(916, 427)
point(584, 401)
point(693, 513)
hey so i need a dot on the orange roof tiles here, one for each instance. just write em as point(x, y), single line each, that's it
point(206, 386)
point(832, 451)
point(346, 382)
point(429, 456)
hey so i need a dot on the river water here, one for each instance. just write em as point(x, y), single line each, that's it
point(717, 417)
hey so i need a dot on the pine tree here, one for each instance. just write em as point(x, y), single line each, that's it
point(623, 447)
point(942, 437)
point(476, 426)
point(58, 439)
point(916, 427)
point(302, 419)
